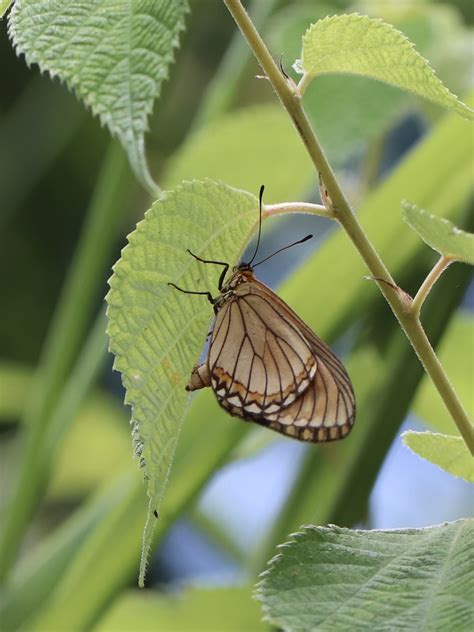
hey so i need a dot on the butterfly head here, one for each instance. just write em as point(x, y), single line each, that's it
point(241, 273)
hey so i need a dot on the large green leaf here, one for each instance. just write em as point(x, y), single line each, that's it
point(329, 578)
point(439, 233)
point(356, 44)
point(209, 609)
point(113, 54)
point(449, 453)
point(156, 332)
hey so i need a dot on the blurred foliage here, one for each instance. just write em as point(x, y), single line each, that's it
point(82, 550)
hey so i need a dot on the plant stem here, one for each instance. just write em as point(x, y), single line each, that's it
point(290, 96)
point(304, 82)
point(296, 207)
point(428, 283)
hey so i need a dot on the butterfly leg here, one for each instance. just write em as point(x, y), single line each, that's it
point(200, 377)
point(208, 295)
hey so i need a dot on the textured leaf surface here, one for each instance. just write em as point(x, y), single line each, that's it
point(113, 54)
point(456, 354)
point(439, 233)
point(357, 44)
point(449, 453)
point(156, 332)
point(368, 108)
point(330, 578)
point(212, 610)
point(249, 147)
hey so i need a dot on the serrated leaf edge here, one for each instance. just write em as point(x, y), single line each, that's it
point(454, 230)
point(468, 112)
point(137, 158)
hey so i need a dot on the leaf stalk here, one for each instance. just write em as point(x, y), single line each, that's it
point(296, 207)
point(428, 283)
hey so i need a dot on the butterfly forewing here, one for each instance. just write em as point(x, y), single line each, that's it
point(266, 365)
point(258, 360)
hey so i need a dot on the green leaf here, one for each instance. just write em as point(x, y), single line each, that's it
point(448, 453)
point(4, 4)
point(439, 233)
point(36, 575)
point(156, 332)
point(223, 609)
point(356, 44)
point(367, 108)
point(16, 384)
point(114, 55)
point(330, 578)
point(456, 354)
point(249, 147)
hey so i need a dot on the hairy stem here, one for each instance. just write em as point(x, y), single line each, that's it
point(290, 96)
point(296, 207)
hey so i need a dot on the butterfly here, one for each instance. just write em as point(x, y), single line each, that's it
point(266, 365)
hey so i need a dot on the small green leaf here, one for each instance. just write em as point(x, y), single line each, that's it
point(156, 332)
point(213, 609)
point(439, 233)
point(330, 578)
point(114, 55)
point(449, 453)
point(356, 44)
point(4, 4)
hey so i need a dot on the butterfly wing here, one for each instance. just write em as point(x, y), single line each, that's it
point(258, 359)
point(266, 365)
point(324, 412)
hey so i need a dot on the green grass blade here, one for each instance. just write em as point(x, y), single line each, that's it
point(64, 338)
point(224, 609)
point(37, 575)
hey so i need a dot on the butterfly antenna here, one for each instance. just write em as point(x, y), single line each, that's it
point(262, 188)
point(295, 243)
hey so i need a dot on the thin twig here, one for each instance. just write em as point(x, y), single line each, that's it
point(428, 283)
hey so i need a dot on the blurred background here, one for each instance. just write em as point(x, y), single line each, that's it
point(51, 152)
